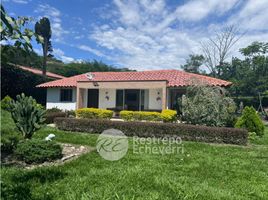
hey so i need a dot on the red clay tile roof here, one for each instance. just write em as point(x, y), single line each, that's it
point(173, 77)
point(39, 72)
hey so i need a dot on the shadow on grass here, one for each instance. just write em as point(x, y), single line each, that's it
point(17, 184)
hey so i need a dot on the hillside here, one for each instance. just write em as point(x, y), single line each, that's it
point(32, 59)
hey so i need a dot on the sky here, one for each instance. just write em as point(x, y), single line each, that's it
point(142, 34)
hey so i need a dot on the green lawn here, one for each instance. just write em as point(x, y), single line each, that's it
point(203, 171)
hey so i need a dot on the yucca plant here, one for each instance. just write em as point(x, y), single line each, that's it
point(27, 116)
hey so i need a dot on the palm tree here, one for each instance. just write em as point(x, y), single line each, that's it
point(42, 28)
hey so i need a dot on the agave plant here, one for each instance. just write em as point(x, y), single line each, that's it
point(27, 116)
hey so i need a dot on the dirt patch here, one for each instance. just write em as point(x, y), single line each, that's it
point(69, 152)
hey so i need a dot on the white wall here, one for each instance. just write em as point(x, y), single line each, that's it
point(153, 103)
point(107, 103)
point(53, 100)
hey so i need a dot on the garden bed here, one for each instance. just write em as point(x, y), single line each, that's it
point(69, 152)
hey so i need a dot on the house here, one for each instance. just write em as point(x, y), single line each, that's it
point(39, 72)
point(144, 90)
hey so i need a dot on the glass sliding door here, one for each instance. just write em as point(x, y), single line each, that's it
point(120, 99)
point(144, 99)
point(132, 99)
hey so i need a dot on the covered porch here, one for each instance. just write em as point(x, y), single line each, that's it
point(131, 95)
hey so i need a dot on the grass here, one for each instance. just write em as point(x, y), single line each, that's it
point(203, 171)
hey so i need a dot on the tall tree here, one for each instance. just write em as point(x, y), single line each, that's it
point(217, 49)
point(193, 63)
point(43, 28)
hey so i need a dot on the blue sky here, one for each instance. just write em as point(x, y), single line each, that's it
point(144, 34)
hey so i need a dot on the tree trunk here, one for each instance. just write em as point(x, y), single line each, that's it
point(44, 70)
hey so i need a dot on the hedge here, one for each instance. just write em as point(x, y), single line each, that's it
point(94, 113)
point(165, 115)
point(50, 116)
point(150, 129)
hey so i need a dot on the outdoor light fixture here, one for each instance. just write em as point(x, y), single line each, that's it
point(107, 97)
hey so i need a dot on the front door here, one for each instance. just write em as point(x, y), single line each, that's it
point(132, 99)
point(93, 98)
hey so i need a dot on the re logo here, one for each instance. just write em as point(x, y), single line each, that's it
point(112, 144)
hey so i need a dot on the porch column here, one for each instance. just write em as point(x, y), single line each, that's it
point(164, 97)
point(79, 98)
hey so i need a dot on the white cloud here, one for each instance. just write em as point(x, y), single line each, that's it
point(54, 15)
point(147, 34)
point(61, 55)
point(18, 1)
point(252, 16)
point(21, 1)
point(199, 9)
point(91, 50)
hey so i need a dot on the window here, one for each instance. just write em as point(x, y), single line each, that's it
point(119, 98)
point(66, 95)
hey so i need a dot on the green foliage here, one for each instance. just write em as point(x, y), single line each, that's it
point(27, 116)
point(252, 101)
point(5, 103)
point(151, 129)
point(147, 116)
point(140, 115)
point(94, 113)
point(52, 113)
point(50, 116)
point(251, 121)
point(14, 30)
point(126, 115)
point(74, 68)
point(38, 151)
point(165, 115)
point(193, 63)
point(54, 109)
point(9, 140)
point(19, 56)
point(169, 115)
point(255, 48)
point(207, 106)
point(23, 81)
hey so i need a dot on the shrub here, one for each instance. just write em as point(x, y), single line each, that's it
point(206, 105)
point(169, 115)
point(9, 140)
point(5, 103)
point(50, 116)
point(70, 113)
point(126, 115)
point(251, 121)
point(53, 110)
point(140, 115)
point(147, 116)
point(94, 113)
point(38, 151)
point(141, 129)
point(27, 116)
point(52, 113)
